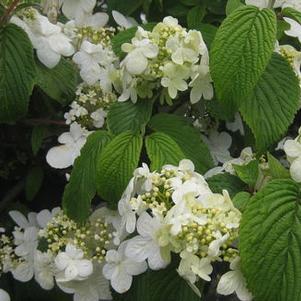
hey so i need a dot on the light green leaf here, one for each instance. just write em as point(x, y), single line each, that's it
point(186, 136)
point(17, 73)
point(271, 108)
point(116, 165)
point(60, 82)
point(126, 116)
point(270, 242)
point(195, 16)
point(162, 149)
point(241, 200)
point(248, 173)
point(226, 181)
point(277, 170)
point(232, 5)
point(292, 13)
point(33, 182)
point(163, 285)
point(81, 188)
point(37, 136)
point(241, 51)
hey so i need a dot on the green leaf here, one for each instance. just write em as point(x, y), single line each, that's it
point(125, 36)
point(126, 116)
point(190, 2)
point(232, 5)
point(60, 82)
point(33, 182)
point(226, 181)
point(248, 173)
point(277, 170)
point(282, 26)
point(81, 188)
point(195, 16)
point(116, 165)
point(37, 136)
point(241, 51)
point(241, 200)
point(125, 7)
point(162, 149)
point(271, 108)
point(17, 72)
point(270, 242)
point(292, 13)
point(163, 285)
point(186, 136)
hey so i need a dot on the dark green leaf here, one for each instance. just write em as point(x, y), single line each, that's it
point(81, 188)
point(33, 183)
point(116, 165)
point(125, 7)
point(277, 170)
point(228, 182)
point(126, 116)
point(186, 136)
point(60, 82)
point(195, 16)
point(232, 5)
point(162, 149)
point(17, 72)
point(271, 108)
point(248, 173)
point(37, 136)
point(241, 200)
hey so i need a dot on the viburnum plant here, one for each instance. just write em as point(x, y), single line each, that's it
point(150, 150)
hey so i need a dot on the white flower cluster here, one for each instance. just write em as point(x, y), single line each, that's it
point(174, 211)
point(169, 56)
point(292, 149)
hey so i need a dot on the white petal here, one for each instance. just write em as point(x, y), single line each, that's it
point(47, 56)
point(85, 267)
point(23, 272)
point(60, 157)
point(61, 261)
point(4, 296)
point(134, 268)
point(295, 170)
point(155, 261)
point(19, 219)
point(43, 218)
point(295, 30)
point(227, 284)
point(71, 272)
point(292, 148)
point(120, 19)
point(137, 249)
point(136, 63)
point(122, 282)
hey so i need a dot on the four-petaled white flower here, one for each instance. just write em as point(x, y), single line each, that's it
point(234, 281)
point(120, 269)
point(64, 155)
point(145, 245)
point(72, 265)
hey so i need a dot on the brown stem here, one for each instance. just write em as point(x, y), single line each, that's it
point(9, 11)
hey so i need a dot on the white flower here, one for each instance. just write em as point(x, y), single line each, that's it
point(72, 265)
point(295, 30)
point(293, 56)
point(139, 52)
point(26, 241)
point(122, 21)
point(120, 269)
point(4, 296)
point(234, 281)
point(64, 155)
point(47, 38)
point(22, 221)
point(78, 9)
point(45, 216)
point(192, 266)
point(292, 149)
point(99, 118)
point(236, 125)
point(145, 245)
point(89, 59)
point(173, 79)
point(94, 288)
point(214, 246)
point(24, 271)
point(44, 269)
point(219, 145)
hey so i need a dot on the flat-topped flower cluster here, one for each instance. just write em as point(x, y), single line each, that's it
point(172, 211)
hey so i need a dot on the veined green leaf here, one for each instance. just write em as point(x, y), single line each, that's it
point(248, 173)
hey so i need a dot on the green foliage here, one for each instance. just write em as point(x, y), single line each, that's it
point(60, 82)
point(277, 170)
point(116, 165)
point(270, 239)
point(162, 149)
point(248, 173)
point(37, 136)
point(195, 16)
point(125, 7)
point(163, 285)
point(226, 181)
point(292, 13)
point(81, 188)
point(241, 200)
point(17, 73)
point(232, 5)
point(126, 116)
point(240, 53)
point(271, 108)
point(186, 136)
point(33, 183)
